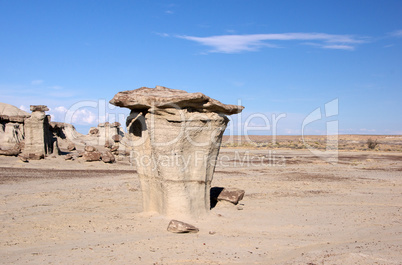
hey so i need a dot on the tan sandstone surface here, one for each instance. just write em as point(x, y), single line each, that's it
point(297, 209)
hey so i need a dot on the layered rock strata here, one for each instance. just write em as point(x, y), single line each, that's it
point(38, 137)
point(11, 125)
point(175, 138)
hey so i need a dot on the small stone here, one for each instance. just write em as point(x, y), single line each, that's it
point(181, 227)
point(108, 157)
point(23, 158)
point(71, 147)
point(34, 156)
point(232, 195)
point(68, 157)
point(89, 148)
point(239, 207)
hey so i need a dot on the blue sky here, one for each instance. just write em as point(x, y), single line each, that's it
point(276, 58)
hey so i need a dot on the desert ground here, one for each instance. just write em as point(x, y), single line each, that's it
point(298, 209)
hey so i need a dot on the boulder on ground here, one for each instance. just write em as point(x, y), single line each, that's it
point(108, 157)
point(10, 152)
point(181, 227)
point(35, 156)
point(13, 151)
point(92, 156)
point(68, 157)
point(232, 195)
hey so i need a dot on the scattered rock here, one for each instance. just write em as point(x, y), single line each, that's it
point(92, 156)
point(108, 157)
point(71, 147)
point(10, 152)
point(23, 158)
point(181, 227)
point(232, 195)
point(35, 156)
point(89, 148)
point(68, 157)
point(80, 153)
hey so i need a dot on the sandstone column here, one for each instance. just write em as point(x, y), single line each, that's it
point(38, 138)
point(176, 138)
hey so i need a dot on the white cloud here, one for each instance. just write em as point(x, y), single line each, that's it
point(339, 47)
point(85, 117)
point(61, 109)
point(81, 116)
point(162, 34)
point(22, 107)
point(253, 42)
point(396, 33)
point(36, 82)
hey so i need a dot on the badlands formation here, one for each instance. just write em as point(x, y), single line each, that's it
point(176, 138)
point(83, 201)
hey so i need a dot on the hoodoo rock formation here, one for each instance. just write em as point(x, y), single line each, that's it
point(38, 137)
point(175, 136)
point(11, 125)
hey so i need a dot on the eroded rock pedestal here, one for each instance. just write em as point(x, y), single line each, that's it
point(175, 137)
point(38, 138)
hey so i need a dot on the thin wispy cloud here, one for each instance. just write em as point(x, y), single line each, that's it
point(254, 42)
point(56, 87)
point(36, 82)
point(396, 33)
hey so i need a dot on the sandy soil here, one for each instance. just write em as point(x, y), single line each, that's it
point(298, 209)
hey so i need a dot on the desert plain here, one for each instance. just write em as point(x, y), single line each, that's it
point(298, 209)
